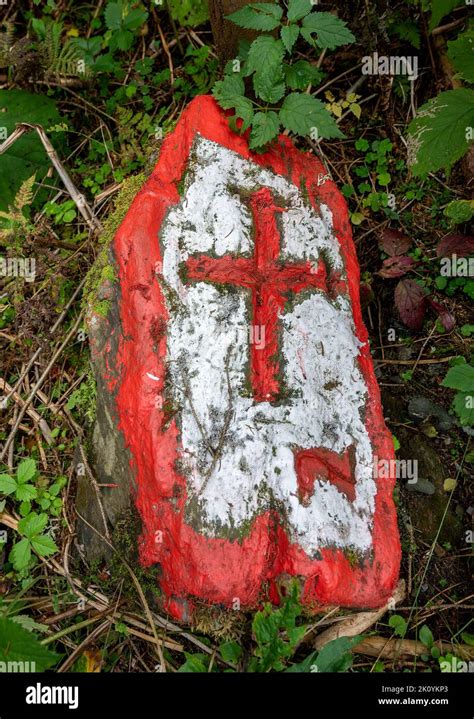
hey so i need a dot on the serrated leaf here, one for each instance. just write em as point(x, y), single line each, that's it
point(289, 36)
point(394, 242)
point(410, 301)
point(20, 554)
point(297, 9)
point(196, 663)
point(231, 651)
point(407, 30)
point(44, 545)
point(244, 110)
point(331, 31)
point(441, 8)
point(461, 54)
point(26, 470)
point(265, 126)
point(19, 645)
point(302, 73)
point(7, 484)
point(33, 524)
point(27, 155)
point(113, 15)
point(437, 135)
point(455, 243)
point(269, 86)
point(300, 113)
point(265, 54)
point(464, 407)
point(26, 492)
point(460, 211)
point(460, 377)
point(257, 16)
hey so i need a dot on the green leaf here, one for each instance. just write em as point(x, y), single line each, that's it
point(27, 622)
point(461, 53)
point(135, 19)
point(113, 15)
point(301, 112)
point(336, 656)
point(19, 645)
point(26, 492)
point(189, 13)
point(468, 638)
point(26, 470)
point(227, 90)
point(426, 637)
point(331, 31)
point(464, 407)
point(407, 30)
point(300, 74)
point(196, 663)
point(7, 484)
point(265, 126)
point(441, 8)
point(257, 16)
point(437, 134)
point(398, 625)
point(269, 86)
point(44, 545)
point(231, 652)
point(32, 525)
point(289, 36)
point(20, 554)
point(460, 377)
point(265, 55)
point(27, 155)
point(460, 211)
point(297, 9)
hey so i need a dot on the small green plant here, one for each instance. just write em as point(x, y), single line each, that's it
point(461, 378)
point(20, 486)
point(277, 77)
point(63, 213)
point(34, 540)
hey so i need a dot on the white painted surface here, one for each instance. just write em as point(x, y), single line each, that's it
point(317, 338)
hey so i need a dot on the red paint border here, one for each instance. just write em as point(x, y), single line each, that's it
point(218, 570)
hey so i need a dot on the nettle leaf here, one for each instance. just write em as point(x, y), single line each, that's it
point(394, 242)
point(289, 36)
point(460, 377)
point(461, 53)
point(226, 91)
point(441, 8)
point(437, 135)
point(265, 55)
point(331, 31)
point(265, 126)
point(301, 112)
point(19, 645)
point(33, 524)
point(464, 406)
point(26, 470)
point(257, 16)
point(20, 554)
point(269, 86)
point(8, 484)
point(244, 110)
point(302, 73)
point(410, 301)
point(297, 9)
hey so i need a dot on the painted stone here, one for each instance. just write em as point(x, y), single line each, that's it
point(242, 379)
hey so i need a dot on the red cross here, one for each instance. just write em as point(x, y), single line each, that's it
point(269, 283)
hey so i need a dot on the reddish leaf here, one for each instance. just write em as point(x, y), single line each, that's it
point(394, 242)
point(445, 317)
point(410, 301)
point(455, 244)
point(396, 266)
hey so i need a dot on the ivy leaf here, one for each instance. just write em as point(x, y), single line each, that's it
point(437, 135)
point(26, 470)
point(289, 36)
point(301, 112)
point(20, 554)
point(257, 16)
point(297, 9)
point(265, 55)
point(19, 645)
point(8, 484)
point(32, 525)
point(44, 545)
point(464, 407)
point(301, 73)
point(265, 126)
point(460, 377)
point(331, 31)
point(410, 301)
point(461, 54)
